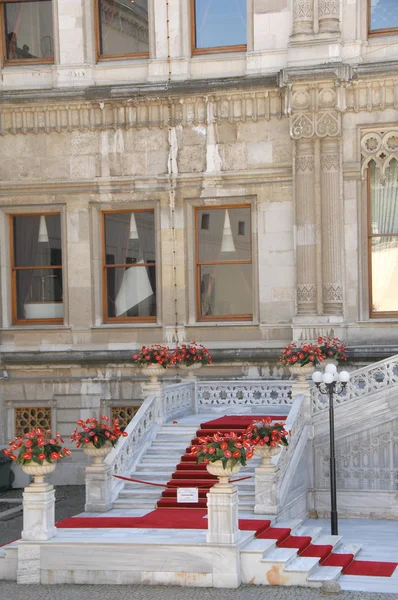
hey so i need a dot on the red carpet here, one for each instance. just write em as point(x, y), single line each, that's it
point(240, 422)
point(370, 568)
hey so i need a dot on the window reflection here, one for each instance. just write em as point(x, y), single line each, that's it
point(220, 23)
point(383, 14)
point(123, 27)
point(29, 30)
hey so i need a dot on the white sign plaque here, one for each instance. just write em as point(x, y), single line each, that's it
point(187, 495)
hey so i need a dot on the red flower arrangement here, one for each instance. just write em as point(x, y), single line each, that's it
point(97, 432)
point(191, 354)
point(332, 348)
point(37, 446)
point(266, 433)
point(303, 355)
point(225, 447)
point(153, 355)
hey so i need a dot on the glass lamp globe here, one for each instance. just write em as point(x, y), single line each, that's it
point(317, 377)
point(330, 369)
point(344, 376)
point(327, 377)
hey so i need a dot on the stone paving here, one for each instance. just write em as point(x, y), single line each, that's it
point(12, 591)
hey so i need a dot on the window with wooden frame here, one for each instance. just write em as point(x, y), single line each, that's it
point(129, 266)
point(224, 282)
point(36, 269)
point(27, 33)
point(382, 17)
point(383, 239)
point(122, 29)
point(218, 26)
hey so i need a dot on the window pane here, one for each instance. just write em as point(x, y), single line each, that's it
point(123, 27)
point(220, 23)
point(224, 234)
point(39, 294)
point(384, 274)
point(131, 292)
point(130, 238)
point(29, 30)
point(226, 290)
point(37, 241)
point(383, 14)
point(384, 200)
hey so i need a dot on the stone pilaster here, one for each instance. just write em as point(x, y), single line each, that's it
point(222, 508)
point(38, 512)
point(329, 16)
point(303, 17)
point(332, 291)
point(98, 488)
point(306, 290)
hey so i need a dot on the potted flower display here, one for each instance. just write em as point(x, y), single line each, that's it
point(191, 356)
point(332, 349)
point(153, 360)
point(223, 455)
point(38, 452)
point(267, 438)
point(302, 359)
point(97, 437)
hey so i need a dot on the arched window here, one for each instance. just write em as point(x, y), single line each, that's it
point(122, 28)
point(382, 17)
point(218, 26)
point(27, 31)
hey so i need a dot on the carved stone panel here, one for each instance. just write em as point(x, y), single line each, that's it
point(380, 147)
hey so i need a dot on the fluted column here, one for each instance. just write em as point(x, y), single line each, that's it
point(303, 16)
point(306, 291)
point(329, 16)
point(332, 291)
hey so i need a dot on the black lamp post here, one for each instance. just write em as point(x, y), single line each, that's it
point(331, 382)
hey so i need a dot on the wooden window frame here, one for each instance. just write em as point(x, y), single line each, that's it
point(215, 49)
point(14, 270)
point(374, 314)
point(105, 317)
point(378, 32)
point(199, 264)
point(3, 47)
point(105, 57)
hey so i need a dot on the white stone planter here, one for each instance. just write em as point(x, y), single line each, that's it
point(303, 373)
point(98, 454)
point(39, 471)
point(216, 468)
point(266, 453)
point(153, 371)
point(193, 367)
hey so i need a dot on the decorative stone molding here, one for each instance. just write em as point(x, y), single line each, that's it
point(141, 112)
point(306, 293)
point(332, 292)
point(380, 147)
point(329, 15)
point(306, 125)
point(303, 16)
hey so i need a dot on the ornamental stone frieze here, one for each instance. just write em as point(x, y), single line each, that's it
point(322, 124)
point(150, 111)
point(380, 147)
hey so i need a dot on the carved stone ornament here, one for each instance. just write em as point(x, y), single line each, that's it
point(328, 124)
point(303, 10)
point(329, 9)
point(306, 292)
point(302, 126)
point(304, 163)
point(305, 125)
point(332, 292)
point(380, 147)
point(330, 162)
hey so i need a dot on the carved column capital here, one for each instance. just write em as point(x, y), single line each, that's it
point(329, 16)
point(303, 16)
point(308, 124)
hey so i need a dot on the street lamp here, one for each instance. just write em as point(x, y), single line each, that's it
point(329, 383)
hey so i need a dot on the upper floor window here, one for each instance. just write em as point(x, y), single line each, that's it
point(218, 26)
point(129, 266)
point(383, 240)
point(383, 16)
point(224, 264)
point(27, 31)
point(36, 268)
point(122, 28)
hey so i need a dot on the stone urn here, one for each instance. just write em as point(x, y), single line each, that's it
point(98, 454)
point(266, 453)
point(153, 371)
point(216, 468)
point(192, 367)
point(302, 373)
point(39, 471)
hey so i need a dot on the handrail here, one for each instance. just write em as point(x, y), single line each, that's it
point(363, 382)
point(178, 399)
point(244, 391)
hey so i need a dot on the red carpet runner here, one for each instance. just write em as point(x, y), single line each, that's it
point(191, 516)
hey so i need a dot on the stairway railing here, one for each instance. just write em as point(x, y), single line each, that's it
point(363, 382)
point(244, 392)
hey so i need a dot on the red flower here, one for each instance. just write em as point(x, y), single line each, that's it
point(54, 455)
point(227, 454)
point(236, 454)
point(27, 456)
point(41, 456)
point(124, 433)
point(224, 446)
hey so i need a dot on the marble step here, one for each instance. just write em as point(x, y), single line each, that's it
point(321, 574)
point(138, 503)
point(149, 493)
point(145, 465)
point(348, 549)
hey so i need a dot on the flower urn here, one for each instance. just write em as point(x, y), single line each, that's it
point(223, 473)
point(153, 371)
point(192, 367)
point(98, 454)
point(303, 373)
point(266, 453)
point(38, 471)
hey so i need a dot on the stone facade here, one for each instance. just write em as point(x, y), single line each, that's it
point(288, 127)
